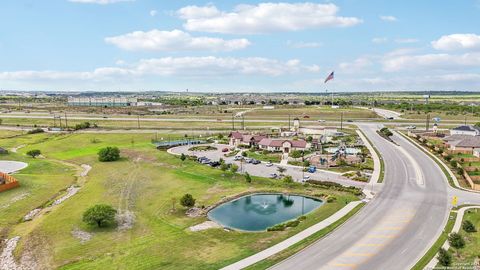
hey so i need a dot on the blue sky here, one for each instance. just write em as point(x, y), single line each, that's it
point(115, 45)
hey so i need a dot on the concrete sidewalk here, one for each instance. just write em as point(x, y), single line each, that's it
point(292, 240)
point(369, 189)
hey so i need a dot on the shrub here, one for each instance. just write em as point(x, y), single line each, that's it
point(248, 178)
point(108, 154)
point(83, 125)
point(453, 163)
point(468, 226)
point(460, 170)
point(288, 179)
point(34, 153)
point(296, 154)
point(187, 200)
point(233, 168)
point(444, 257)
point(35, 131)
point(182, 157)
point(448, 157)
point(456, 240)
point(101, 215)
point(331, 199)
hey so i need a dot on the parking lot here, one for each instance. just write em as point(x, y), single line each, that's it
point(262, 169)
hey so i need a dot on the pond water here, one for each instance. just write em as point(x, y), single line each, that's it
point(257, 212)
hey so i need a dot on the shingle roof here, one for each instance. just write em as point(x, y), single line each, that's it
point(471, 141)
point(467, 128)
point(279, 143)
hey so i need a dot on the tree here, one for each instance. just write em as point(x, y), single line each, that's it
point(109, 154)
point(456, 240)
point(224, 167)
point(309, 139)
point(244, 154)
point(468, 226)
point(453, 163)
point(281, 170)
point(101, 215)
point(306, 163)
point(34, 153)
point(187, 200)
point(444, 257)
point(220, 136)
point(234, 168)
point(248, 178)
point(183, 157)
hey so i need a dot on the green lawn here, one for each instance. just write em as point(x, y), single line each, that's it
point(272, 157)
point(144, 181)
point(472, 248)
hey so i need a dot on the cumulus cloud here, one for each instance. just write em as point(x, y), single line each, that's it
point(100, 2)
point(434, 61)
point(303, 44)
point(175, 40)
point(153, 12)
point(174, 66)
point(457, 41)
point(263, 18)
point(356, 65)
point(388, 18)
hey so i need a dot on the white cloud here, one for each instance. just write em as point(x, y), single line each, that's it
point(433, 61)
point(303, 44)
point(406, 40)
point(173, 66)
point(457, 41)
point(153, 12)
point(378, 40)
point(175, 40)
point(357, 65)
point(100, 2)
point(264, 17)
point(388, 18)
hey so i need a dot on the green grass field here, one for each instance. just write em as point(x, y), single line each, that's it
point(470, 252)
point(144, 181)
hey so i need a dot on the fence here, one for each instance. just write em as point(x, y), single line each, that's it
point(8, 181)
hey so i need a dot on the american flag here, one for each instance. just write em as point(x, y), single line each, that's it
point(330, 77)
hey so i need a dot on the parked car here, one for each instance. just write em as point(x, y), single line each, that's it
point(238, 158)
point(306, 178)
point(248, 160)
point(411, 127)
point(273, 175)
point(321, 121)
point(256, 161)
point(200, 159)
point(269, 164)
point(349, 120)
point(389, 118)
point(225, 150)
point(214, 164)
point(312, 169)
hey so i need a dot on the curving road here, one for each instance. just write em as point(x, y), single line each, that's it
point(397, 227)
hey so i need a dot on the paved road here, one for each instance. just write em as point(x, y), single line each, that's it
point(264, 171)
point(396, 228)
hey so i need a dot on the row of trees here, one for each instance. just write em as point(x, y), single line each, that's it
point(457, 242)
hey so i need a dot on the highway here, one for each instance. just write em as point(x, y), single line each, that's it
point(397, 227)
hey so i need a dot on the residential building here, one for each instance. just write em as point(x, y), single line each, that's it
point(466, 130)
point(462, 143)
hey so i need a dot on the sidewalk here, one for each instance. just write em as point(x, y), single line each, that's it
point(369, 189)
point(292, 240)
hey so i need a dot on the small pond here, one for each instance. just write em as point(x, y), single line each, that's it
point(257, 212)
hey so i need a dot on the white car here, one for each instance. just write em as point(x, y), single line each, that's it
point(321, 121)
point(306, 178)
point(411, 127)
point(269, 164)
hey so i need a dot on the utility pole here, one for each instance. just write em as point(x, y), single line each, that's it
point(341, 121)
point(138, 121)
point(465, 120)
point(233, 122)
point(54, 122)
point(427, 122)
point(66, 123)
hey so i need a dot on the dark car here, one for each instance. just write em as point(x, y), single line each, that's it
point(225, 150)
point(214, 164)
point(256, 161)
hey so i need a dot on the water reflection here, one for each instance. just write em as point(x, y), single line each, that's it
point(260, 211)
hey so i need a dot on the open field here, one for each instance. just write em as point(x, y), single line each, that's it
point(143, 182)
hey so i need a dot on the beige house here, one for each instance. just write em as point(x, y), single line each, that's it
point(281, 145)
point(462, 143)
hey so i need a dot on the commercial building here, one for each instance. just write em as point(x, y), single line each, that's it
point(102, 101)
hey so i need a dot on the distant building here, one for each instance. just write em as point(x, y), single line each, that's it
point(466, 130)
point(462, 143)
point(102, 101)
point(238, 138)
